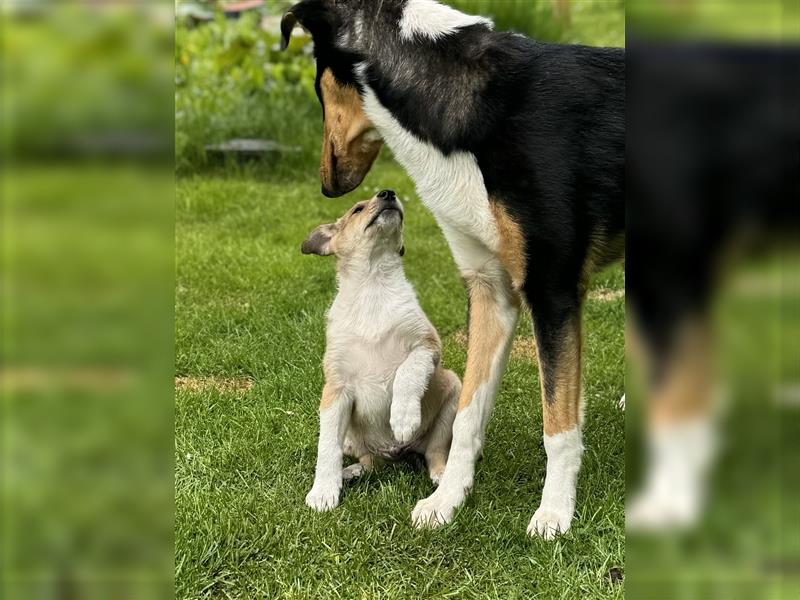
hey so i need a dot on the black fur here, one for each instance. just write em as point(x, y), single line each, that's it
point(714, 158)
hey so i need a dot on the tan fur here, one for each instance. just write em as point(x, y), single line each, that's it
point(685, 393)
point(562, 412)
point(328, 396)
point(512, 245)
point(599, 255)
point(348, 136)
point(486, 334)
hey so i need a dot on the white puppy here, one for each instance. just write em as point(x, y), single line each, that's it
point(385, 392)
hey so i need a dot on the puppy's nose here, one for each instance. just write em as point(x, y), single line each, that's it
point(386, 195)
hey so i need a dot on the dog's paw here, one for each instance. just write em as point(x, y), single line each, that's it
point(659, 512)
point(436, 477)
point(405, 420)
point(621, 403)
point(435, 510)
point(548, 523)
point(324, 496)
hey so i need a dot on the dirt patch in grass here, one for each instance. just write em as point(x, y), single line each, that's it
point(524, 346)
point(604, 295)
point(221, 385)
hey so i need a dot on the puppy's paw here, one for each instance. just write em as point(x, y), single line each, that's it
point(621, 403)
point(405, 420)
point(435, 510)
point(324, 496)
point(353, 471)
point(548, 523)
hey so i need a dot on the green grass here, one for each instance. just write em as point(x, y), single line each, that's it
point(251, 307)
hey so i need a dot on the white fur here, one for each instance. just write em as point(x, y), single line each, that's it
point(451, 187)
point(410, 383)
point(431, 20)
point(680, 456)
point(554, 515)
point(374, 326)
point(324, 495)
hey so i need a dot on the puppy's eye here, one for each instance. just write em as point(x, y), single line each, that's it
point(357, 209)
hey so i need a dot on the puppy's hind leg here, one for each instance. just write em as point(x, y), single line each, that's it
point(356, 470)
point(437, 443)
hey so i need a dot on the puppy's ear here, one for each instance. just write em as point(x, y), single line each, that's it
point(319, 240)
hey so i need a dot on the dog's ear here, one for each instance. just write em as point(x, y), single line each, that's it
point(288, 22)
point(319, 240)
point(313, 15)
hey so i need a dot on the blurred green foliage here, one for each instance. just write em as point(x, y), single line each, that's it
point(590, 22)
point(232, 81)
point(71, 80)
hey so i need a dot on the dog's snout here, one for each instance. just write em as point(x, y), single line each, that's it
point(386, 195)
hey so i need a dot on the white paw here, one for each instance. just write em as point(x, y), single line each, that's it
point(324, 496)
point(651, 512)
point(549, 523)
point(621, 402)
point(353, 471)
point(435, 510)
point(436, 477)
point(405, 420)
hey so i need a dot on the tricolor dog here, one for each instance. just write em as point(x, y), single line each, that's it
point(518, 149)
point(386, 392)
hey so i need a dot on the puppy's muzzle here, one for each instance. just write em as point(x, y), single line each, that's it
point(387, 201)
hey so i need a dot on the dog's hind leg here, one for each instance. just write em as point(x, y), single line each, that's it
point(493, 311)
point(557, 325)
point(440, 436)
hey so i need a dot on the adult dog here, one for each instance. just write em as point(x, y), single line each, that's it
point(518, 149)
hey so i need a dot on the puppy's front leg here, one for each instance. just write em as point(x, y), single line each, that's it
point(410, 383)
point(334, 416)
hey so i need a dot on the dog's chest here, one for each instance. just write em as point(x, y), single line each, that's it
point(451, 186)
point(366, 366)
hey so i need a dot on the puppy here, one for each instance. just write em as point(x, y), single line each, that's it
point(385, 392)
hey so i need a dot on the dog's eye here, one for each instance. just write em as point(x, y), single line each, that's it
point(357, 209)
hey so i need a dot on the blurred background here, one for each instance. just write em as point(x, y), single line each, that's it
point(86, 499)
point(105, 102)
point(712, 280)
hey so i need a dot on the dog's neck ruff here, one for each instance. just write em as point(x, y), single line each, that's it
point(431, 20)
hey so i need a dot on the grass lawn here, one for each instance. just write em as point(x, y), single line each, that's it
point(250, 339)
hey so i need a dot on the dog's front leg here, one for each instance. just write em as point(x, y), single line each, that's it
point(334, 416)
point(410, 383)
point(493, 311)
